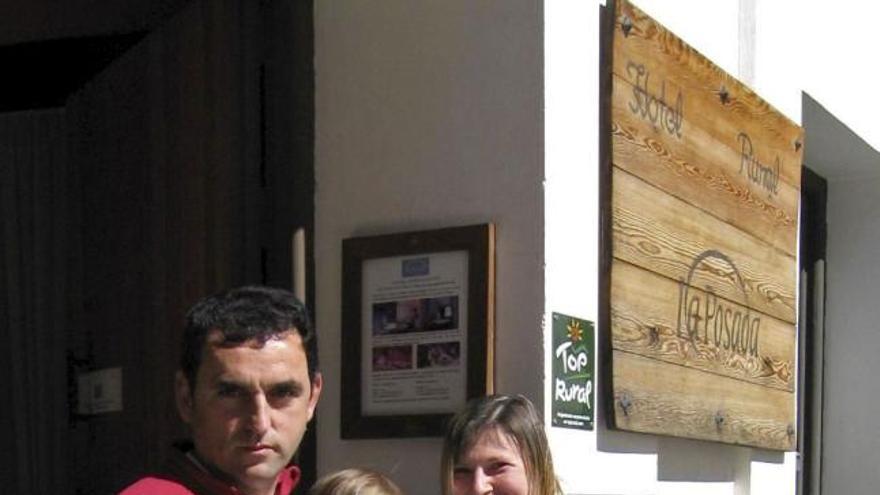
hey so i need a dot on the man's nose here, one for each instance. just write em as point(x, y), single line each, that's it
point(258, 416)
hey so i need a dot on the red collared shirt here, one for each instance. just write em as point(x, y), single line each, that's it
point(182, 475)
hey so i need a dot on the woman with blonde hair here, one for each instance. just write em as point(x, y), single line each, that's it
point(355, 481)
point(497, 445)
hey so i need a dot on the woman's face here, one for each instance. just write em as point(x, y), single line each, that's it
point(492, 465)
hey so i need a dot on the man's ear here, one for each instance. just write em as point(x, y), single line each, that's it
point(317, 385)
point(183, 396)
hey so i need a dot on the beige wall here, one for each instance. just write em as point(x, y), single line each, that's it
point(428, 114)
point(434, 113)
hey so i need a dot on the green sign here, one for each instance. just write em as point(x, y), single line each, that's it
point(573, 372)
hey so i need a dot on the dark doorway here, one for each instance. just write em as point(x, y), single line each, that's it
point(813, 231)
point(188, 160)
point(43, 74)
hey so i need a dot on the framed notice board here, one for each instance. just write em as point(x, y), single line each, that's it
point(418, 329)
point(699, 216)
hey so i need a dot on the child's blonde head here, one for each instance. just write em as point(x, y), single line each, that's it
point(355, 481)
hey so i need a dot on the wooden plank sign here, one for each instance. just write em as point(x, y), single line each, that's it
point(701, 206)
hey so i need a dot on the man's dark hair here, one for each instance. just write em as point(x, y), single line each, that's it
point(243, 314)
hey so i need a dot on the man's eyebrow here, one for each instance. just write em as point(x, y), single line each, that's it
point(293, 386)
point(229, 384)
point(286, 385)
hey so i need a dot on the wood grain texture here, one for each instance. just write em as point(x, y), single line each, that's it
point(702, 244)
point(651, 398)
point(668, 60)
point(646, 320)
point(663, 234)
point(702, 171)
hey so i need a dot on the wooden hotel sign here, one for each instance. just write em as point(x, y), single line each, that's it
point(701, 191)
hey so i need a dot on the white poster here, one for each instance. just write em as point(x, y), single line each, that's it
point(414, 334)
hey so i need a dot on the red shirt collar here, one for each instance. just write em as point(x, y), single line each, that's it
point(198, 479)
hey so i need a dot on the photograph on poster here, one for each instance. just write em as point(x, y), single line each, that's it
point(439, 355)
point(395, 357)
point(415, 315)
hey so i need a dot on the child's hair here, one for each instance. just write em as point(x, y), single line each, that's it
point(355, 481)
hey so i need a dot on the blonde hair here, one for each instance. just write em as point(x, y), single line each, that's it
point(355, 481)
point(514, 416)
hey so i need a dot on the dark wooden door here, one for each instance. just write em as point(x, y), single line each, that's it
point(185, 168)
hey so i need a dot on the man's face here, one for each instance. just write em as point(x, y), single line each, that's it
point(249, 408)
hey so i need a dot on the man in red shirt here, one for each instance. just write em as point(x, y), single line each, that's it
point(247, 386)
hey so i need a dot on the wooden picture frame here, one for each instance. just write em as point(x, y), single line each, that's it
point(417, 329)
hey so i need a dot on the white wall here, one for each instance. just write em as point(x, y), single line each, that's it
point(852, 343)
point(604, 461)
point(710, 27)
point(822, 48)
point(809, 45)
point(437, 113)
point(429, 114)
